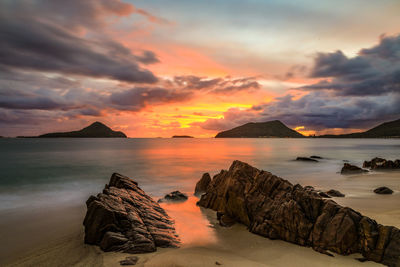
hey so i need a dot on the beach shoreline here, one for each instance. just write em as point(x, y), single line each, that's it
point(233, 246)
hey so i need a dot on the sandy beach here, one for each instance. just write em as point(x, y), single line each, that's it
point(205, 243)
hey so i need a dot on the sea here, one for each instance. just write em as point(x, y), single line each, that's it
point(44, 183)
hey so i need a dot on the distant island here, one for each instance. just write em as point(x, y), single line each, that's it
point(260, 129)
point(95, 130)
point(389, 129)
point(278, 129)
point(182, 136)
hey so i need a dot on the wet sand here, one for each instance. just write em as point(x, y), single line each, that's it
point(205, 242)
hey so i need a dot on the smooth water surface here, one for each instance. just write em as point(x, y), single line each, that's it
point(49, 178)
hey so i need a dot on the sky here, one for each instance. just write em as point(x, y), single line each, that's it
point(159, 68)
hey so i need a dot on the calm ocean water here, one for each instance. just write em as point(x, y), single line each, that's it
point(40, 173)
point(44, 183)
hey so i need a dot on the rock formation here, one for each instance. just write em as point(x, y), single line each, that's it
point(383, 190)
point(351, 169)
point(382, 164)
point(175, 196)
point(335, 193)
point(123, 218)
point(272, 207)
point(201, 186)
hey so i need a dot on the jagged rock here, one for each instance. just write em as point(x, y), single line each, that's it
point(273, 207)
point(132, 260)
point(323, 194)
point(306, 159)
point(379, 163)
point(175, 196)
point(201, 186)
point(351, 169)
point(383, 190)
point(123, 218)
point(335, 193)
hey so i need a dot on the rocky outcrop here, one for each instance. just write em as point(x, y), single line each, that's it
point(383, 190)
point(201, 186)
point(351, 169)
point(175, 196)
point(123, 218)
point(382, 164)
point(273, 207)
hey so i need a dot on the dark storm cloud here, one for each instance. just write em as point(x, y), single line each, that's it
point(40, 36)
point(136, 99)
point(217, 85)
point(316, 111)
point(374, 71)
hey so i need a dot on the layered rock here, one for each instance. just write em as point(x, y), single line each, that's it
point(351, 169)
point(379, 163)
point(273, 207)
point(201, 186)
point(123, 218)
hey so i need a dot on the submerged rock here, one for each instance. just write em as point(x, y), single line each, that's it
point(132, 260)
point(306, 159)
point(380, 163)
point(316, 157)
point(383, 190)
point(175, 196)
point(123, 218)
point(201, 186)
point(351, 169)
point(273, 207)
point(335, 193)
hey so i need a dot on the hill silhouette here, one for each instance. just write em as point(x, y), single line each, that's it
point(260, 129)
point(96, 129)
point(385, 130)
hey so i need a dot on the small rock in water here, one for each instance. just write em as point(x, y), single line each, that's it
point(306, 159)
point(351, 169)
point(383, 190)
point(217, 263)
point(383, 164)
point(335, 193)
point(316, 157)
point(132, 260)
point(175, 196)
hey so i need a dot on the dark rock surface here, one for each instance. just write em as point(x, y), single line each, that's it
point(201, 186)
point(316, 157)
point(306, 159)
point(351, 169)
point(383, 190)
point(123, 218)
point(382, 164)
point(272, 207)
point(132, 260)
point(335, 193)
point(175, 196)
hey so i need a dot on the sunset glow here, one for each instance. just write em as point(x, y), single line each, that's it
point(154, 69)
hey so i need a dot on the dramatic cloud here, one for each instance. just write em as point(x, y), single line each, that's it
point(217, 85)
point(374, 71)
point(57, 36)
point(316, 111)
point(136, 99)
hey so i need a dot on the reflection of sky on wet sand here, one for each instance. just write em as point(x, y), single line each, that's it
point(191, 224)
